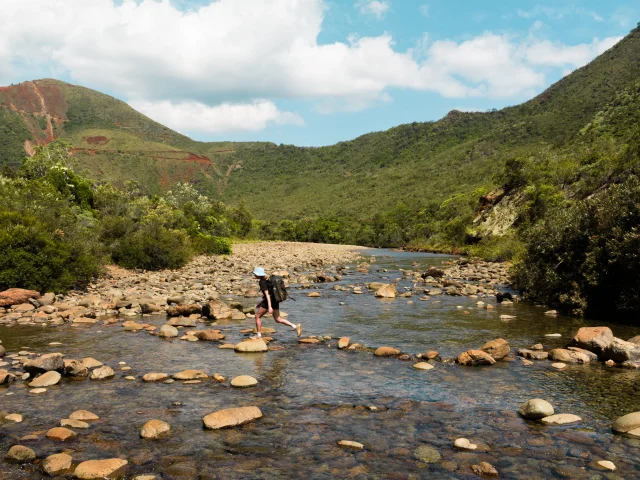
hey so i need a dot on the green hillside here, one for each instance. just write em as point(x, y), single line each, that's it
point(415, 164)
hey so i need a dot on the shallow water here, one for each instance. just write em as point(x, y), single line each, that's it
point(312, 396)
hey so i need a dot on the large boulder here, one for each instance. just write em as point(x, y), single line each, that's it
point(475, 357)
point(15, 296)
point(536, 409)
point(251, 346)
point(621, 351)
point(102, 373)
point(168, 331)
point(568, 356)
point(594, 339)
point(48, 298)
point(387, 291)
point(218, 310)
point(99, 469)
point(231, 417)
point(183, 310)
point(629, 424)
point(498, 348)
point(45, 363)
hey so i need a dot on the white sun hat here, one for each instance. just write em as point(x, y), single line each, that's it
point(259, 272)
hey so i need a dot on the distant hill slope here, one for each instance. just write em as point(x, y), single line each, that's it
point(429, 161)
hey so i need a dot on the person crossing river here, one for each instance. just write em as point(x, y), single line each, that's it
point(269, 304)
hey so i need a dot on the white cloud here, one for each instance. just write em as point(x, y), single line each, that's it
point(558, 55)
point(197, 117)
point(229, 54)
point(377, 8)
point(424, 10)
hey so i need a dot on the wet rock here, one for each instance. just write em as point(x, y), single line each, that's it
point(559, 365)
point(190, 375)
point(99, 469)
point(37, 391)
point(484, 468)
point(536, 347)
point(621, 351)
point(209, 335)
point(231, 417)
point(561, 419)
point(607, 465)
point(309, 340)
point(536, 409)
point(46, 379)
point(14, 417)
point(551, 313)
point(60, 433)
point(344, 342)
point(182, 322)
point(183, 310)
point(313, 295)
point(131, 326)
point(91, 362)
point(68, 422)
point(2, 351)
point(592, 356)
point(149, 308)
point(84, 415)
point(507, 317)
point(154, 429)
point(219, 378)
point(386, 291)
point(629, 424)
point(45, 363)
point(20, 454)
point(427, 454)
point(350, 445)
point(464, 444)
point(244, 381)
point(475, 357)
point(57, 464)
point(74, 368)
point(251, 346)
point(15, 296)
point(217, 310)
point(594, 339)
point(430, 355)
point(568, 356)
point(167, 331)
point(386, 352)
point(102, 373)
point(532, 355)
point(155, 377)
point(498, 348)
point(423, 366)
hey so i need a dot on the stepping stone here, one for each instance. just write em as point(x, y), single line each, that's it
point(244, 381)
point(350, 445)
point(423, 366)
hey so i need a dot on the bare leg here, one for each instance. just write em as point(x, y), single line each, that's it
point(259, 313)
point(279, 319)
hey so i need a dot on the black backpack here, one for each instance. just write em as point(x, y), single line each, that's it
point(277, 289)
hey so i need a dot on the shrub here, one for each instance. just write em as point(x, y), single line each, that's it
point(210, 245)
point(151, 246)
point(40, 257)
point(586, 258)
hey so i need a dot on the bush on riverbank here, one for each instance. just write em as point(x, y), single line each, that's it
point(58, 229)
point(586, 258)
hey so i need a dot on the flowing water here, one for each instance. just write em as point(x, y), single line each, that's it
point(313, 396)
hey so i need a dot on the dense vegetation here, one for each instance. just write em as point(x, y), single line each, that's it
point(58, 229)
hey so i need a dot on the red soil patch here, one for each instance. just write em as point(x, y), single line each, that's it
point(100, 140)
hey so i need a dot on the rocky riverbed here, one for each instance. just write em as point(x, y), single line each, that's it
point(151, 375)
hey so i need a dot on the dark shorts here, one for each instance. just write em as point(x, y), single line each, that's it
point(263, 304)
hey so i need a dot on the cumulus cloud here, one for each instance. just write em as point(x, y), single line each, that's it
point(377, 8)
point(228, 55)
point(558, 55)
point(197, 117)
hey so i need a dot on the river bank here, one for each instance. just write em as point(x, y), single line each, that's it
point(403, 422)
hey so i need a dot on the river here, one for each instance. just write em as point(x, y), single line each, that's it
point(313, 396)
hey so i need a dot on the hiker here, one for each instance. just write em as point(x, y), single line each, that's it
point(268, 304)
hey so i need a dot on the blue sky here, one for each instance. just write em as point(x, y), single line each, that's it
point(306, 72)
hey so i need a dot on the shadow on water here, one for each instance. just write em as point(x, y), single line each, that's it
point(312, 396)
